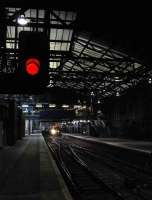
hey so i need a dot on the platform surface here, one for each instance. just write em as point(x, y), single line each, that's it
point(143, 146)
point(28, 172)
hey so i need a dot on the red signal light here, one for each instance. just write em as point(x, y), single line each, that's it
point(32, 66)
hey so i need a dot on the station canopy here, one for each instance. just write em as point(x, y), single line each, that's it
point(78, 59)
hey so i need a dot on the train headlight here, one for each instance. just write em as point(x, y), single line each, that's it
point(53, 131)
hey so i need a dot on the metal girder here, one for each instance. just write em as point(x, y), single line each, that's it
point(42, 25)
point(58, 18)
point(16, 14)
point(84, 62)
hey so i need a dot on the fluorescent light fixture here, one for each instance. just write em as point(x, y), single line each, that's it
point(22, 20)
point(25, 106)
point(65, 106)
point(117, 79)
point(52, 105)
point(38, 105)
point(82, 120)
point(76, 106)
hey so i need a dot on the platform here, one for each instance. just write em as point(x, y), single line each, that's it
point(28, 172)
point(136, 145)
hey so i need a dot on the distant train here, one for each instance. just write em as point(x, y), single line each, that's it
point(55, 129)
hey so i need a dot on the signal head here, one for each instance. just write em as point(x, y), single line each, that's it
point(32, 66)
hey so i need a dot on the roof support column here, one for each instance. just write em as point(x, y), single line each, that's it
point(3, 28)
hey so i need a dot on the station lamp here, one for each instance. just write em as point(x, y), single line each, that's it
point(98, 102)
point(92, 93)
point(117, 79)
point(117, 94)
point(21, 20)
point(150, 80)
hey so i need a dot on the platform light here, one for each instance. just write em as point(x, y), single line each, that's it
point(77, 106)
point(21, 20)
point(117, 79)
point(52, 105)
point(38, 105)
point(98, 102)
point(92, 93)
point(30, 98)
point(117, 94)
point(99, 112)
point(150, 80)
point(79, 101)
point(25, 106)
point(82, 120)
point(65, 106)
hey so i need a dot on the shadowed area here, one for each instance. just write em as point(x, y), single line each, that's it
point(31, 175)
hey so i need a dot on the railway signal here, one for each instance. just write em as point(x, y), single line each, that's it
point(33, 62)
point(32, 66)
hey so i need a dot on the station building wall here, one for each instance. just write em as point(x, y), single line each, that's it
point(130, 115)
point(11, 123)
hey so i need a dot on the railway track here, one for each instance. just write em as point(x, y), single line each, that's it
point(90, 177)
point(83, 182)
point(117, 177)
